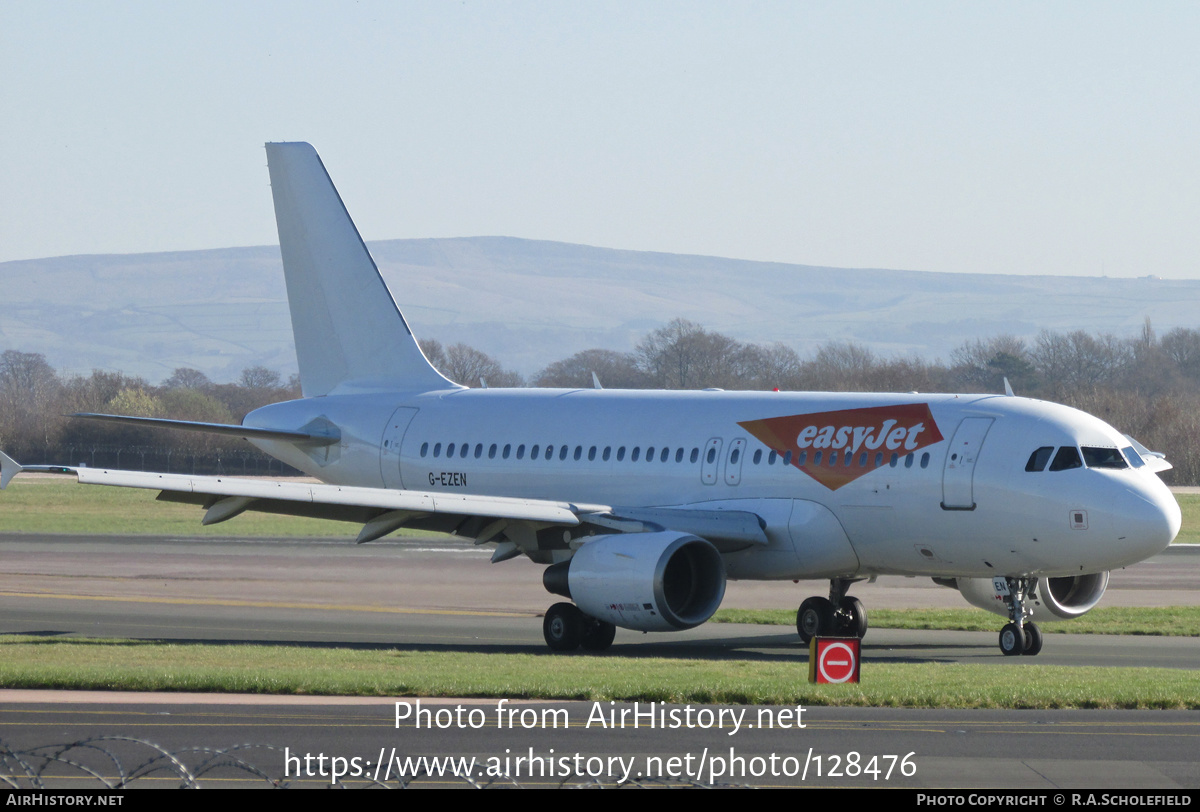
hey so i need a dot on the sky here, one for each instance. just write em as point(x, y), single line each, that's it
point(1016, 137)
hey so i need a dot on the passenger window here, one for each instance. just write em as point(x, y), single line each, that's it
point(562, 455)
point(712, 455)
point(650, 454)
point(771, 458)
point(620, 453)
point(1039, 458)
point(578, 452)
point(1066, 459)
point(695, 454)
point(635, 454)
point(666, 452)
point(801, 459)
point(833, 457)
point(449, 450)
point(817, 458)
point(862, 460)
point(878, 458)
point(908, 460)
point(757, 456)
point(925, 460)
point(478, 450)
point(521, 451)
point(607, 452)
point(492, 452)
point(592, 454)
point(424, 449)
point(679, 455)
point(1103, 458)
point(733, 458)
point(507, 450)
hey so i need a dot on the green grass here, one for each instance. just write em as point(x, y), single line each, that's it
point(61, 505)
point(83, 664)
point(1189, 504)
point(1166, 621)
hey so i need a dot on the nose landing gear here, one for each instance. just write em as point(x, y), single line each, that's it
point(1021, 635)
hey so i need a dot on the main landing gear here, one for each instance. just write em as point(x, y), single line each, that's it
point(1020, 636)
point(566, 628)
point(839, 615)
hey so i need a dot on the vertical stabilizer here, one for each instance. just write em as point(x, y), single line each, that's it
point(347, 327)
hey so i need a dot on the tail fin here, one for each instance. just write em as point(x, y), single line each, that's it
point(347, 327)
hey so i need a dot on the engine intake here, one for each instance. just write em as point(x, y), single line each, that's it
point(1057, 598)
point(665, 581)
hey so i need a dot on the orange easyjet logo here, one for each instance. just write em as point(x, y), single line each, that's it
point(836, 448)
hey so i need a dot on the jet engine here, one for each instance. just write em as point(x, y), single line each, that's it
point(1057, 598)
point(651, 582)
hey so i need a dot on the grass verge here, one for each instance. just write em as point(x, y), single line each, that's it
point(62, 505)
point(125, 665)
point(1164, 621)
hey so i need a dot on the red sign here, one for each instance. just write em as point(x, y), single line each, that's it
point(836, 448)
point(834, 659)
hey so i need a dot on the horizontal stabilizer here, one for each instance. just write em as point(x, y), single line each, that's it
point(326, 436)
point(9, 468)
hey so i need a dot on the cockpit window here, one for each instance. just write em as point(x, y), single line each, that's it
point(1066, 459)
point(1103, 458)
point(1039, 458)
point(1135, 459)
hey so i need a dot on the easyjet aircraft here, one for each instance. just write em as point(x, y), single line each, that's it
point(642, 504)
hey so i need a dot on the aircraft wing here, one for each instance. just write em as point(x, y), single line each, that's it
point(381, 511)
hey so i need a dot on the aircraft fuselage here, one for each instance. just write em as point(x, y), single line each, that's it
point(847, 485)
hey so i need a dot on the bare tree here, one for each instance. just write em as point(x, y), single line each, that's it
point(616, 370)
point(187, 378)
point(29, 388)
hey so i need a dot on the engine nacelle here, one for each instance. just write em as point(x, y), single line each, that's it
point(651, 582)
point(1057, 598)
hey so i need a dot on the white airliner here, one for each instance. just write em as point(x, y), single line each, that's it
point(643, 503)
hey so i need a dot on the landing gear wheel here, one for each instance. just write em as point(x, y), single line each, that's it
point(563, 627)
point(1033, 639)
point(814, 618)
point(1012, 641)
point(852, 618)
point(597, 634)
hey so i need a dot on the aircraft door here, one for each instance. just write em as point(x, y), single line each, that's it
point(710, 463)
point(733, 461)
point(390, 444)
point(958, 475)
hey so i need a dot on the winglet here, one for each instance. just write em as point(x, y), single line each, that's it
point(9, 468)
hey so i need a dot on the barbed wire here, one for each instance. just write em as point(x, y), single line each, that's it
point(124, 762)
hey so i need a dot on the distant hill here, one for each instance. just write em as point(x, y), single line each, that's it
point(529, 303)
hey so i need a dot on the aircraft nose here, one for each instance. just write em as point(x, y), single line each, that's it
point(1151, 518)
